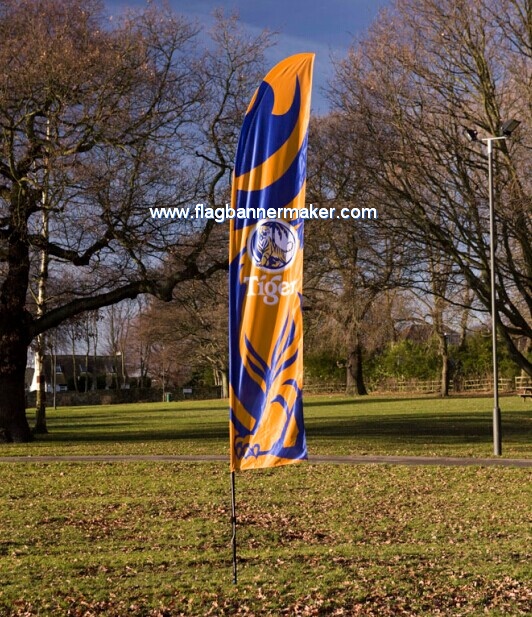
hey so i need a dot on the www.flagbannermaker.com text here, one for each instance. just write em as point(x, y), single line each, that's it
point(224, 213)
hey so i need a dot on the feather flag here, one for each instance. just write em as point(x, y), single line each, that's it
point(265, 271)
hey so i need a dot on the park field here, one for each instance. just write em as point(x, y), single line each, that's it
point(335, 425)
point(152, 538)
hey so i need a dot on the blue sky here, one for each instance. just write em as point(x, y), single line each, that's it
point(325, 27)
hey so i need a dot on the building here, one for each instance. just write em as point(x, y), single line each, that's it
point(88, 372)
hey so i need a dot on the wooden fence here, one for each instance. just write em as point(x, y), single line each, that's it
point(523, 382)
point(419, 386)
point(387, 386)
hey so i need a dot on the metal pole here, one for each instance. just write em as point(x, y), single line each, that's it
point(233, 522)
point(497, 441)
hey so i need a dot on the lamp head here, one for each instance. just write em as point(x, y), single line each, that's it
point(471, 134)
point(508, 127)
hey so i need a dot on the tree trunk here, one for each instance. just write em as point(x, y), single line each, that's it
point(464, 318)
point(95, 355)
point(87, 369)
point(54, 378)
point(225, 384)
point(74, 373)
point(439, 285)
point(14, 329)
point(355, 376)
point(13, 422)
point(40, 405)
point(444, 355)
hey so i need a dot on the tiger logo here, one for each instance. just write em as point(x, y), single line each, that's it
point(273, 245)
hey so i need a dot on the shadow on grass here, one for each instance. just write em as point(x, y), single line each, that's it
point(417, 428)
point(141, 435)
point(433, 428)
point(349, 400)
point(383, 421)
point(84, 424)
point(154, 409)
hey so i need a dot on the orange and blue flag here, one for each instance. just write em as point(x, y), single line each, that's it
point(265, 272)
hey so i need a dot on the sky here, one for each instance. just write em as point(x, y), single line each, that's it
point(325, 27)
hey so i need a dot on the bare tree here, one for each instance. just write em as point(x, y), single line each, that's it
point(118, 325)
point(193, 328)
point(105, 107)
point(229, 70)
point(195, 325)
point(139, 346)
point(169, 352)
point(350, 263)
point(427, 69)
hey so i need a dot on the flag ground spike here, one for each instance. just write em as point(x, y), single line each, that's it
point(233, 522)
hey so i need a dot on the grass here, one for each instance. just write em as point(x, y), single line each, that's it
point(137, 538)
point(335, 425)
point(153, 539)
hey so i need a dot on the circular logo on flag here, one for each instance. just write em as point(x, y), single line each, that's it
point(272, 245)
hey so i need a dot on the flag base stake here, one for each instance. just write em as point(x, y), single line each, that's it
point(233, 522)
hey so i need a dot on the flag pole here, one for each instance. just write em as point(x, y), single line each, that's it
point(233, 522)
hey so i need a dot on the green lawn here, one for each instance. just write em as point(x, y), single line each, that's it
point(153, 539)
point(335, 425)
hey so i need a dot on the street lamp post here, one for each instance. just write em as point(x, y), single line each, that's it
point(507, 128)
point(497, 439)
